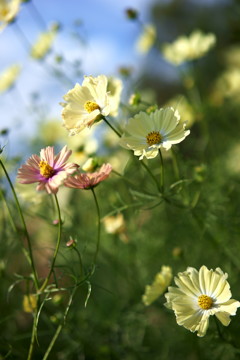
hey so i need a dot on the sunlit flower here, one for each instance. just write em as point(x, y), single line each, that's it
point(188, 48)
point(29, 303)
point(8, 77)
point(150, 132)
point(8, 11)
point(114, 224)
point(181, 103)
point(228, 84)
point(48, 170)
point(44, 43)
point(146, 39)
point(88, 180)
point(90, 165)
point(85, 104)
point(200, 294)
point(114, 88)
point(159, 285)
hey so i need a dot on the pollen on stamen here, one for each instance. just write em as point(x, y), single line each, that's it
point(45, 169)
point(90, 106)
point(153, 138)
point(205, 302)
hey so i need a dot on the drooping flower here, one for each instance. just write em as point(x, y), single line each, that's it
point(159, 285)
point(8, 77)
point(146, 39)
point(85, 104)
point(199, 295)
point(88, 180)
point(150, 132)
point(188, 48)
point(8, 11)
point(44, 43)
point(48, 170)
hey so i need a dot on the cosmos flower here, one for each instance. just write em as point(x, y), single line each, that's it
point(199, 295)
point(114, 224)
point(8, 11)
point(159, 285)
point(188, 48)
point(48, 170)
point(44, 43)
point(146, 39)
point(150, 132)
point(89, 180)
point(8, 77)
point(85, 104)
point(114, 89)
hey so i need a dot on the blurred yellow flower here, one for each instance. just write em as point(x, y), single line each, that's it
point(44, 43)
point(29, 303)
point(146, 39)
point(90, 165)
point(8, 11)
point(114, 88)
point(159, 285)
point(8, 77)
point(181, 103)
point(85, 104)
point(228, 85)
point(114, 224)
point(188, 48)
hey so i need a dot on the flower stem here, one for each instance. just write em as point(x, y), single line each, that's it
point(30, 254)
point(44, 285)
point(151, 174)
point(175, 164)
point(162, 172)
point(33, 336)
point(60, 326)
point(112, 127)
point(80, 261)
point(99, 227)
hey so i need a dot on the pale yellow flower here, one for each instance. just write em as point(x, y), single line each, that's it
point(181, 103)
point(44, 43)
point(114, 224)
point(188, 48)
point(90, 165)
point(150, 132)
point(146, 39)
point(8, 77)
point(198, 295)
point(228, 84)
point(29, 303)
point(159, 285)
point(114, 88)
point(8, 11)
point(85, 104)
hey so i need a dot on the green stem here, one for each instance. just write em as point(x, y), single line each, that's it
point(99, 227)
point(44, 285)
point(80, 261)
point(8, 210)
point(112, 127)
point(162, 172)
point(33, 336)
point(60, 326)
point(151, 174)
point(35, 278)
point(175, 165)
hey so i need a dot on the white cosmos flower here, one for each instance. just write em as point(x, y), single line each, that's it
point(85, 104)
point(150, 132)
point(200, 294)
point(146, 39)
point(188, 48)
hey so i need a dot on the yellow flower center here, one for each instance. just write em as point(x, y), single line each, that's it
point(45, 169)
point(90, 106)
point(154, 137)
point(205, 302)
point(4, 12)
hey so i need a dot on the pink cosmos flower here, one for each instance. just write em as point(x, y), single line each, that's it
point(88, 180)
point(48, 170)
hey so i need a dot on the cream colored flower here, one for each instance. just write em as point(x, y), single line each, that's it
point(85, 104)
point(181, 103)
point(8, 77)
point(228, 84)
point(8, 11)
point(114, 224)
point(159, 285)
point(146, 39)
point(149, 132)
point(188, 48)
point(114, 88)
point(44, 43)
point(199, 295)
point(90, 165)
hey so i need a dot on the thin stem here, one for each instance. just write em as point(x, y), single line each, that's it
point(44, 285)
point(99, 226)
point(80, 261)
point(8, 210)
point(60, 326)
point(151, 174)
point(112, 127)
point(35, 278)
point(162, 171)
point(33, 336)
point(175, 164)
